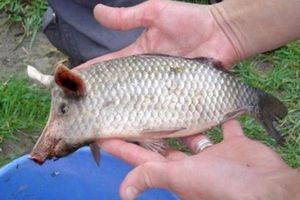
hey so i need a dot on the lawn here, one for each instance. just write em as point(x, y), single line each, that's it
point(24, 106)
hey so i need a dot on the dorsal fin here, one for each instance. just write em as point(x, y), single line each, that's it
point(216, 63)
point(212, 62)
point(208, 60)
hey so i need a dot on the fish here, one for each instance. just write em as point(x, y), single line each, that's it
point(145, 98)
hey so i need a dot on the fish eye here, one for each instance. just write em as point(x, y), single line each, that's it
point(63, 108)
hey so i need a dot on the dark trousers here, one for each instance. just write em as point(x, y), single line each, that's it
point(71, 27)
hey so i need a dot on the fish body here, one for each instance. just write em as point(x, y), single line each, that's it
point(145, 97)
point(130, 97)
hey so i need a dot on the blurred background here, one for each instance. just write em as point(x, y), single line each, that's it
point(24, 105)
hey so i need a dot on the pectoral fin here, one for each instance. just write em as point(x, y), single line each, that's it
point(95, 150)
point(162, 132)
point(158, 146)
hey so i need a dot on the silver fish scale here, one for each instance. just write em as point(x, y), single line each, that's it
point(136, 95)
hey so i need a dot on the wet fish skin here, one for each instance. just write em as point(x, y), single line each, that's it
point(133, 96)
point(147, 97)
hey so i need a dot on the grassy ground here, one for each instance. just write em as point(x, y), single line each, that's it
point(24, 106)
point(26, 12)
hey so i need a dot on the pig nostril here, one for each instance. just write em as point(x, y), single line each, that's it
point(36, 159)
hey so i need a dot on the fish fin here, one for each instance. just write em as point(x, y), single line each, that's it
point(270, 110)
point(234, 114)
point(95, 150)
point(162, 132)
point(180, 132)
point(212, 62)
point(155, 145)
point(69, 81)
point(204, 60)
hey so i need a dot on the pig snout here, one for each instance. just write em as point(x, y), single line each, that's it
point(44, 148)
point(52, 143)
point(46, 144)
point(37, 158)
point(51, 147)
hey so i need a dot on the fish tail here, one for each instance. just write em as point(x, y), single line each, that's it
point(270, 110)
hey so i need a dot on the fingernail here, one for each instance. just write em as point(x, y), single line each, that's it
point(131, 192)
point(99, 5)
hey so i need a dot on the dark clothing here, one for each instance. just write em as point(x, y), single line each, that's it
point(71, 27)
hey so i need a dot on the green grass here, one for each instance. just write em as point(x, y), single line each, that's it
point(28, 13)
point(23, 107)
point(283, 81)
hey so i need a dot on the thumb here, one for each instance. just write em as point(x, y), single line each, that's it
point(148, 175)
point(123, 18)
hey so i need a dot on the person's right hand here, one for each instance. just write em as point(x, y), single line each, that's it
point(173, 28)
point(236, 168)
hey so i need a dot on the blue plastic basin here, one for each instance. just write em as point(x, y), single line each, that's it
point(73, 177)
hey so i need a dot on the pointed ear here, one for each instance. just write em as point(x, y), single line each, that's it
point(68, 81)
point(44, 79)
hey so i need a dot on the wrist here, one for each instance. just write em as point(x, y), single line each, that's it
point(224, 30)
point(254, 26)
point(220, 45)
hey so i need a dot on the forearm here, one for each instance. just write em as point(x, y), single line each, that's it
point(255, 26)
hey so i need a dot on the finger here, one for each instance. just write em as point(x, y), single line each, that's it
point(131, 153)
point(124, 18)
point(172, 154)
point(192, 141)
point(149, 175)
point(232, 128)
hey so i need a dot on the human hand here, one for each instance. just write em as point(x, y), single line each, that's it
point(173, 28)
point(236, 168)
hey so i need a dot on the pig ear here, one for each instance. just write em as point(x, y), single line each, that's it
point(68, 81)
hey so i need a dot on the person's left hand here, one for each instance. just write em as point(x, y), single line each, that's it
point(170, 27)
point(235, 168)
